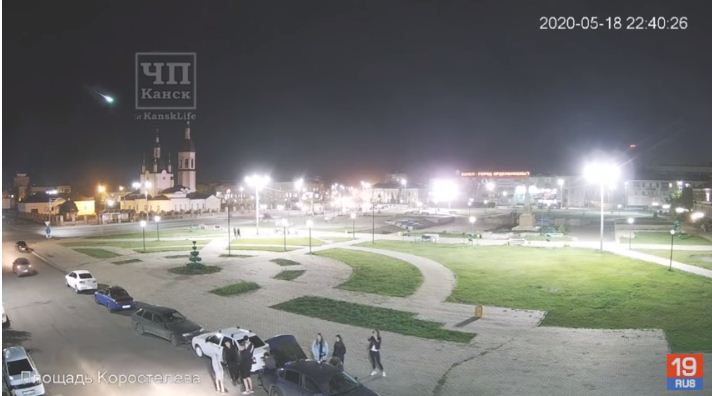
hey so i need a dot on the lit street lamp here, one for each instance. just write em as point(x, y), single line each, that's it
point(602, 174)
point(257, 182)
point(672, 241)
point(630, 230)
point(310, 224)
point(157, 220)
point(560, 182)
point(472, 220)
point(353, 225)
point(227, 198)
point(143, 229)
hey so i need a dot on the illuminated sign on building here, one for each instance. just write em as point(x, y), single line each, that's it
point(495, 174)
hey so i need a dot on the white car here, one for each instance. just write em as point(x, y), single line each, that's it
point(80, 280)
point(20, 373)
point(208, 344)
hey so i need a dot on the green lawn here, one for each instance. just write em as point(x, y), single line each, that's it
point(291, 241)
point(699, 259)
point(129, 261)
point(371, 318)
point(664, 238)
point(236, 288)
point(185, 270)
point(97, 252)
point(263, 248)
point(152, 246)
point(376, 273)
point(580, 288)
point(284, 262)
point(289, 274)
point(170, 232)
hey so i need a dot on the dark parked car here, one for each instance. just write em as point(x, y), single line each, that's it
point(165, 323)
point(22, 267)
point(115, 298)
point(289, 373)
point(22, 246)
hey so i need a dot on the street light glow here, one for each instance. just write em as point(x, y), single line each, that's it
point(443, 190)
point(101, 188)
point(142, 223)
point(156, 218)
point(631, 220)
point(136, 185)
point(472, 219)
point(310, 223)
point(696, 216)
point(258, 182)
point(601, 173)
point(490, 186)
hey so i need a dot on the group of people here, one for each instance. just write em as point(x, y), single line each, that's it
point(320, 351)
point(237, 359)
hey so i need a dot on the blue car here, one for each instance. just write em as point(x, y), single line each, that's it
point(115, 298)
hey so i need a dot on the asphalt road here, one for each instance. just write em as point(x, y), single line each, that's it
point(70, 335)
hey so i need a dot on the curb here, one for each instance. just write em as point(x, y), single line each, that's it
point(48, 262)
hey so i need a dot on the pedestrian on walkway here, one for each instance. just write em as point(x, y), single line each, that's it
point(339, 349)
point(231, 360)
point(217, 363)
point(246, 352)
point(238, 233)
point(320, 348)
point(374, 352)
point(234, 231)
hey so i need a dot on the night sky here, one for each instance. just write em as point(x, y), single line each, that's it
point(354, 89)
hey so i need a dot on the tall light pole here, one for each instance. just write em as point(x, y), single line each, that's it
point(353, 225)
point(229, 248)
point(672, 241)
point(285, 224)
point(157, 219)
point(146, 185)
point(257, 182)
point(310, 224)
point(630, 230)
point(472, 220)
point(602, 174)
point(560, 183)
point(143, 229)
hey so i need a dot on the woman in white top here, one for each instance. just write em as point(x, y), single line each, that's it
point(216, 360)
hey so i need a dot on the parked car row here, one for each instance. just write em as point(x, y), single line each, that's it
point(280, 362)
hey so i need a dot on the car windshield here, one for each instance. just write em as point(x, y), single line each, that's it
point(256, 341)
point(22, 261)
point(16, 367)
point(174, 316)
point(342, 383)
point(85, 276)
point(118, 292)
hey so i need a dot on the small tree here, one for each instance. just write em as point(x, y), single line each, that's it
point(195, 259)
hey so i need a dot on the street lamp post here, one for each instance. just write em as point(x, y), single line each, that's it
point(373, 222)
point(353, 225)
point(672, 241)
point(310, 224)
point(285, 223)
point(602, 174)
point(143, 229)
point(472, 220)
point(630, 230)
point(560, 182)
point(229, 248)
point(157, 219)
point(258, 182)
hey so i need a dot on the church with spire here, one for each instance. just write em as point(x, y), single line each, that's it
point(159, 190)
point(158, 176)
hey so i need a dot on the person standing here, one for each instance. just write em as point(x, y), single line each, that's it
point(374, 352)
point(230, 358)
point(238, 233)
point(339, 349)
point(246, 353)
point(217, 363)
point(320, 348)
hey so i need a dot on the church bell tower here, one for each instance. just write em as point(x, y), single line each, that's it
point(186, 161)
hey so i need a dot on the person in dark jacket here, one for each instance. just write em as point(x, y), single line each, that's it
point(231, 359)
point(374, 352)
point(339, 349)
point(246, 352)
